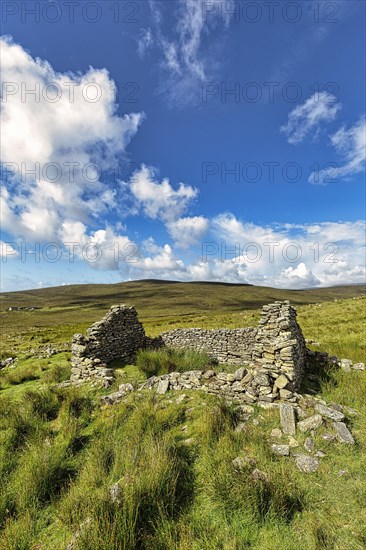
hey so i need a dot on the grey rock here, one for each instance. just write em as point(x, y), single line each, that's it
point(343, 433)
point(208, 374)
point(310, 423)
point(247, 378)
point(287, 416)
point(239, 374)
point(189, 441)
point(336, 406)
point(125, 387)
point(162, 387)
point(306, 464)
point(238, 463)
point(286, 394)
point(309, 444)
point(281, 382)
point(346, 365)
point(293, 443)
point(359, 366)
point(181, 399)
point(280, 450)
point(329, 412)
point(320, 454)
point(261, 379)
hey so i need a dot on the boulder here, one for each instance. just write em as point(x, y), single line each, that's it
point(343, 433)
point(306, 464)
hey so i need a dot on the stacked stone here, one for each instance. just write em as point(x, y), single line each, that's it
point(247, 385)
point(85, 367)
point(276, 349)
point(232, 346)
point(280, 345)
point(117, 336)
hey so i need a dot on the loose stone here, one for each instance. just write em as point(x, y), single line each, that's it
point(281, 450)
point(310, 423)
point(306, 464)
point(287, 416)
point(343, 433)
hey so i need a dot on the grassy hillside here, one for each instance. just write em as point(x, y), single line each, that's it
point(61, 452)
point(161, 305)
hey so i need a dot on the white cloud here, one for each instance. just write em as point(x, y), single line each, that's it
point(101, 249)
point(316, 110)
point(296, 277)
point(290, 256)
point(187, 232)
point(159, 199)
point(37, 131)
point(350, 144)
point(159, 262)
point(185, 59)
point(301, 256)
point(145, 41)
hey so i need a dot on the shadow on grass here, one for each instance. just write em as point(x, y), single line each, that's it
point(317, 376)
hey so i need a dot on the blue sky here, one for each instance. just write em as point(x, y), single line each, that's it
point(183, 139)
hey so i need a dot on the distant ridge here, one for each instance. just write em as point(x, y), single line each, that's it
point(154, 296)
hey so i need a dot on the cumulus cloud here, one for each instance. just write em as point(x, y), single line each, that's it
point(290, 256)
point(296, 277)
point(187, 232)
point(160, 199)
point(350, 145)
point(102, 249)
point(318, 109)
point(283, 256)
point(65, 135)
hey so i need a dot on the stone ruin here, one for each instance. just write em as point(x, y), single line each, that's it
point(275, 353)
point(271, 358)
point(119, 335)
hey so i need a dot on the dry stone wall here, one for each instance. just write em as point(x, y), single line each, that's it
point(280, 345)
point(275, 349)
point(224, 345)
point(119, 335)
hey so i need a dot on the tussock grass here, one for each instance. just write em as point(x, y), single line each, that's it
point(61, 453)
point(165, 360)
point(17, 375)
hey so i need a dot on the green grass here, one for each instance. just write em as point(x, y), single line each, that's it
point(162, 305)
point(61, 451)
point(165, 360)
